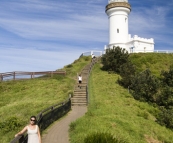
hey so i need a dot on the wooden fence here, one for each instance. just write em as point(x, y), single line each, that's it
point(26, 75)
point(47, 117)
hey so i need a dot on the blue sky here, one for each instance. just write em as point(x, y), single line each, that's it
point(42, 35)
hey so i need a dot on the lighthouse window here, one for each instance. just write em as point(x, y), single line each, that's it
point(117, 30)
point(125, 19)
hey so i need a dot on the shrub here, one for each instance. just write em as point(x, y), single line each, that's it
point(102, 138)
point(165, 97)
point(145, 86)
point(165, 117)
point(127, 72)
point(114, 58)
point(69, 66)
point(87, 58)
point(167, 77)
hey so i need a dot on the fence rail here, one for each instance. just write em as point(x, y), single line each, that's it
point(46, 117)
point(25, 75)
point(100, 53)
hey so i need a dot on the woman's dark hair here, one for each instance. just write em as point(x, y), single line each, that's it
point(34, 118)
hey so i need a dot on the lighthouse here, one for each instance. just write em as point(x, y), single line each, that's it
point(118, 12)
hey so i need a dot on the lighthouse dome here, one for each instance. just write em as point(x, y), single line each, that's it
point(111, 1)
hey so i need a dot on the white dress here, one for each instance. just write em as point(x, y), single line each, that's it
point(33, 135)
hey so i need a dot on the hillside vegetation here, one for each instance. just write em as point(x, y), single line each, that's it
point(112, 109)
point(156, 62)
point(23, 98)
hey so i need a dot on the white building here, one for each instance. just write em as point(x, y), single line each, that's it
point(118, 11)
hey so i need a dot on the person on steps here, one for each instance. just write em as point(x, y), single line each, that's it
point(79, 80)
point(32, 130)
point(93, 57)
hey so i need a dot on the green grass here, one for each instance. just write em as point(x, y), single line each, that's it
point(156, 62)
point(113, 110)
point(23, 98)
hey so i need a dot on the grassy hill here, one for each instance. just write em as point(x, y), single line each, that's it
point(23, 98)
point(156, 62)
point(112, 109)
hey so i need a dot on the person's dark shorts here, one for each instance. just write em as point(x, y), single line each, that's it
point(80, 81)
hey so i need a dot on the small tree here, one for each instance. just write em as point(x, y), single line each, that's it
point(127, 72)
point(145, 86)
point(165, 97)
point(167, 77)
point(114, 58)
point(165, 117)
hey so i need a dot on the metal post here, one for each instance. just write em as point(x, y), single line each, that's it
point(1, 77)
point(13, 75)
point(21, 139)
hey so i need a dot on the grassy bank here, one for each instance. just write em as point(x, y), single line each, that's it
point(23, 98)
point(156, 62)
point(112, 109)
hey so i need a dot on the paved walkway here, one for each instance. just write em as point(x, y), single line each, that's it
point(58, 133)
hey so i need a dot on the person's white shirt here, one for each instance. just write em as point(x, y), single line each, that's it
point(80, 78)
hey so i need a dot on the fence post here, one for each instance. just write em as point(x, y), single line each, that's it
point(69, 95)
point(13, 75)
point(51, 73)
point(21, 139)
point(33, 74)
point(1, 77)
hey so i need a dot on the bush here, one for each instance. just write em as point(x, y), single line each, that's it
point(114, 58)
point(102, 138)
point(145, 86)
point(69, 66)
point(165, 117)
point(127, 72)
point(167, 77)
point(165, 97)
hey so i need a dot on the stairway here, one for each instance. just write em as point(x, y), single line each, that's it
point(80, 93)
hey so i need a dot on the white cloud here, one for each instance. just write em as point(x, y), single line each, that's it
point(35, 60)
point(56, 32)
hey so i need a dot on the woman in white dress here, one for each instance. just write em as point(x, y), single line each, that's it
point(32, 131)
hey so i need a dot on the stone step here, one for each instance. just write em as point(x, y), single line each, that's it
point(81, 84)
point(78, 104)
point(79, 96)
point(81, 87)
point(80, 100)
point(80, 90)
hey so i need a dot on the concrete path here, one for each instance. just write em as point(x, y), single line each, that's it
point(58, 133)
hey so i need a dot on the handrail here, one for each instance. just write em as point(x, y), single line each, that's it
point(31, 74)
point(47, 116)
point(91, 66)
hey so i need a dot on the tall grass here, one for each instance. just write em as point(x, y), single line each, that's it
point(113, 110)
point(23, 98)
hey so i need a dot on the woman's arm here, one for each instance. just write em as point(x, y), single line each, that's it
point(39, 136)
point(21, 132)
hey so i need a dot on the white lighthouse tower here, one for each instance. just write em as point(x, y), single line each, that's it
point(118, 11)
